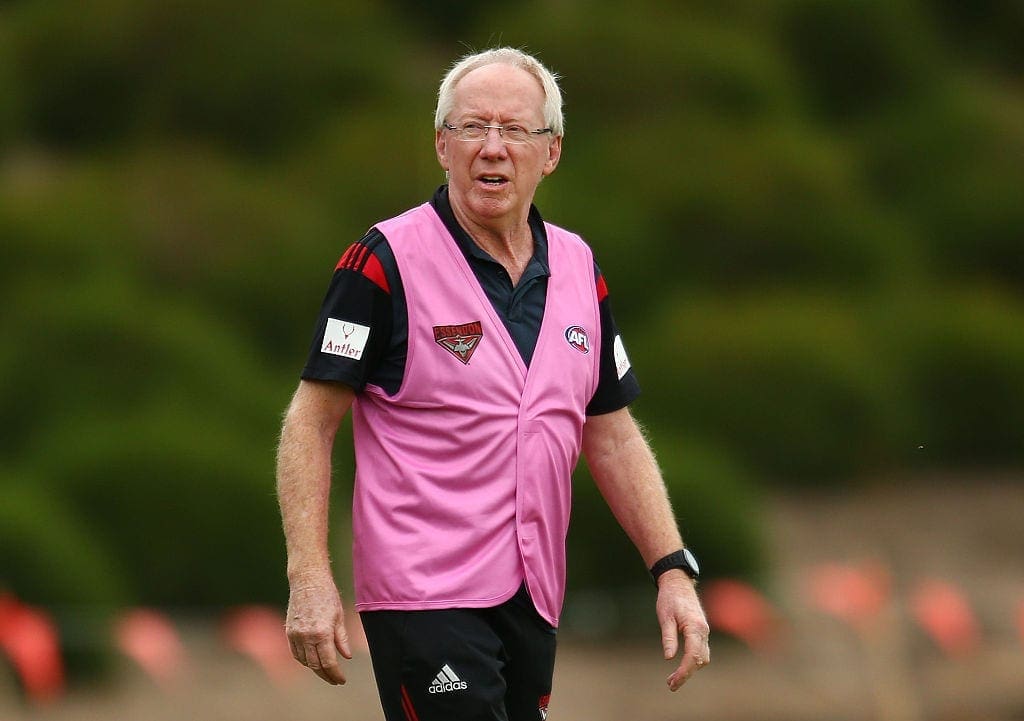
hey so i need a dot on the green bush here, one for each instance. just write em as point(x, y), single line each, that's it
point(48, 554)
point(856, 57)
point(719, 512)
point(254, 79)
point(814, 389)
point(961, 356)
point(791, 384)
point(50, 558)
point(714, 498)
point(950, 164)
point(718, 505)
point(986, 32)
point(158, 427)
point(185, 503)
point(11, 110)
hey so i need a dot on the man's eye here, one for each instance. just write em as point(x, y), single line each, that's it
point(517, 129)
point(473, 127)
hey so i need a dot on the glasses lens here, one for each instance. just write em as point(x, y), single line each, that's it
point(515, 135)
point(472, 131)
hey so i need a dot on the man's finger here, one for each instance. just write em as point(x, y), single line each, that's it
point(695, 643)
point(341, 641)
point(329, 668)
point(669, 638)
point(678, 677)
point(696, 655)
point(682, 674)
point(311, 656)
point(298, 652)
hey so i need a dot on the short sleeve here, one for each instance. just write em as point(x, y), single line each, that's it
point(354, 326)
point(617, 385)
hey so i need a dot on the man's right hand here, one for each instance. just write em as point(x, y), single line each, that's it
point(315, 625)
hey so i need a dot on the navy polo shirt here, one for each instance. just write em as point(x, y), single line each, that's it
point(367, 289)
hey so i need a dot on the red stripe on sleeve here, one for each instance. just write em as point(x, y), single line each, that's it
point(371, 268)
point(346, 257)
point(359, 258)
point(375, 272)
point(602, 289)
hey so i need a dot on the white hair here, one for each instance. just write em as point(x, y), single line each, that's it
point(507, 56)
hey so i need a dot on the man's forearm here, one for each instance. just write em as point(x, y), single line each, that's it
point(304, 479)
point(627, 474)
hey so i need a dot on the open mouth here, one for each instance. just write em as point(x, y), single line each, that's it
point(493, 180)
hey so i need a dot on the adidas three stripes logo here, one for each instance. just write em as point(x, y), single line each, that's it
point(447, 680)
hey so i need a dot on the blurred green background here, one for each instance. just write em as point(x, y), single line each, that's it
point(809, 213)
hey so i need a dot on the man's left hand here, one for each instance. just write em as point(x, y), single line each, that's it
point(679, 612)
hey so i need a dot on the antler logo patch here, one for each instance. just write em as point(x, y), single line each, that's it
point(459, 340)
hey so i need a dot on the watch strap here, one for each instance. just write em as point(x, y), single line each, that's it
point(681, 559)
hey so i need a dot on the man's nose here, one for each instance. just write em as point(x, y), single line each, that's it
point(493, 143)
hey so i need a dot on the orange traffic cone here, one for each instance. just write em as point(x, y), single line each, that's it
point(149, 638)
point(739, 610)
point(31, 641)
point(945, 615)
point(855, 594)
point(258, 632)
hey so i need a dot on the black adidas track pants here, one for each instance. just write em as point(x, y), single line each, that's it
point(465, 664)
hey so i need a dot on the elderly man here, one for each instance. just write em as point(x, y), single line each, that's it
point(474, 344)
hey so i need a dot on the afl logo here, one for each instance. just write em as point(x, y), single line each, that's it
point(577, 338)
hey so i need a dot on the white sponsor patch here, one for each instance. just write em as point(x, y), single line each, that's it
point(622, 364)
point(344, 338)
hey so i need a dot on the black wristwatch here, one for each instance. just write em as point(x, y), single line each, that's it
point(681, 559)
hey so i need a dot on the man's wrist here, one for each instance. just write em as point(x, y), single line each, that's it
point(682, 560)
point(674, 575)
point(312, 575)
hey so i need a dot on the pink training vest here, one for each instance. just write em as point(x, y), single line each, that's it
point(463, 478)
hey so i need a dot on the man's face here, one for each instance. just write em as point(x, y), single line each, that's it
point(490, 181)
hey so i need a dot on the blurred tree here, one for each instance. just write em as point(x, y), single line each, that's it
point(858, 57)
point(986, 32)
point(951, 165)
point(792, 385)
point(252, 78)
point(807, 210)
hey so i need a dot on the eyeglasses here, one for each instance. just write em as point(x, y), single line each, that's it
point(511, 134)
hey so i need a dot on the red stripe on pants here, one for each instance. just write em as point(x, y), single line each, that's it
point(410, 712)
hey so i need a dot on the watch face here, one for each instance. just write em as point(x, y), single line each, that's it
point(692, 560)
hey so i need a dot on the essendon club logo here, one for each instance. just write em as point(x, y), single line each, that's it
point(459, 340)
point(578, 338)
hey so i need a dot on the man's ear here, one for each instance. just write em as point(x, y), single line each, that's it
point(554, 155)
point(441, 146)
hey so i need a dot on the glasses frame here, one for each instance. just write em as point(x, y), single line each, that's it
point(459, 130)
